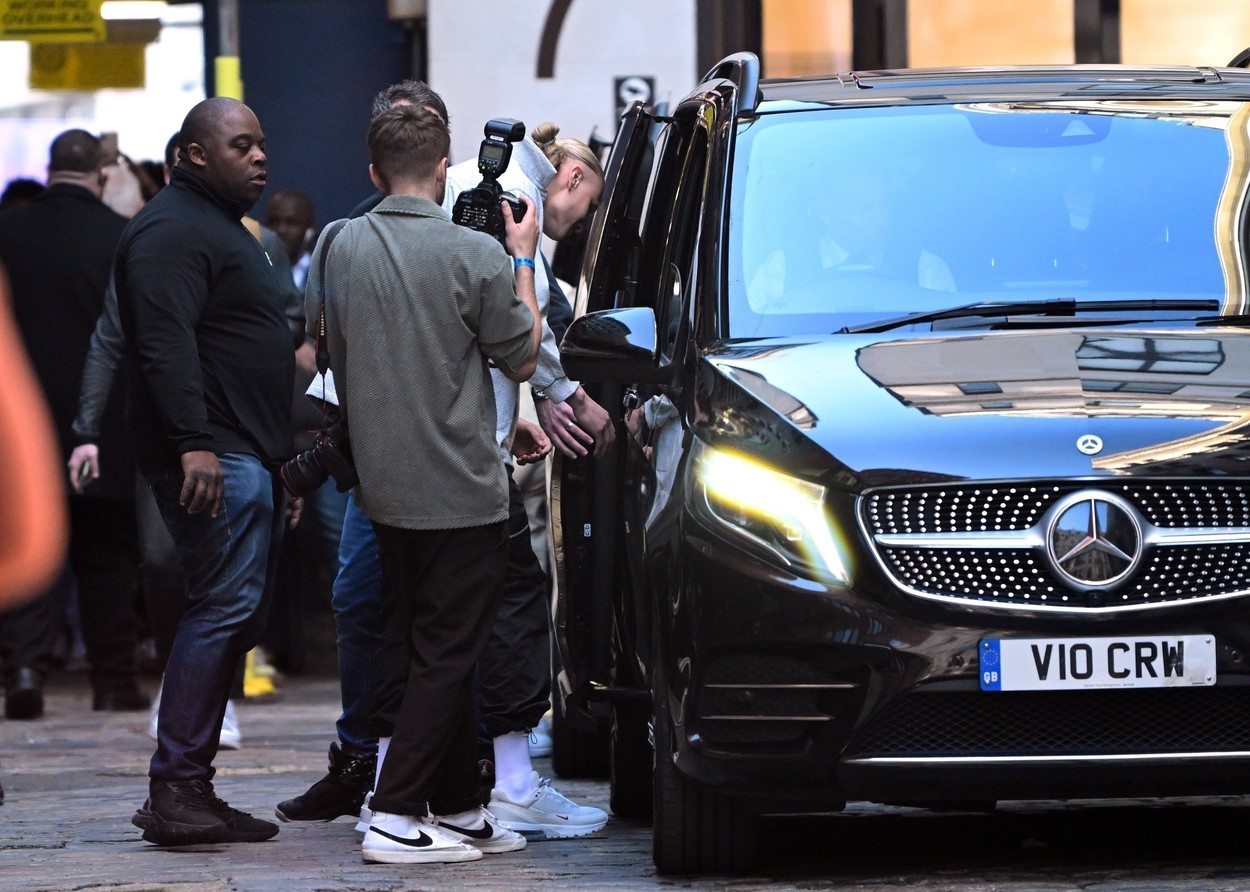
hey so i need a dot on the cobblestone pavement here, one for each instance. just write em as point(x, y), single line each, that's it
point(73, 779)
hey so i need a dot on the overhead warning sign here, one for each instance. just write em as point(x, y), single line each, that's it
point(56, 21)
point(86, 66)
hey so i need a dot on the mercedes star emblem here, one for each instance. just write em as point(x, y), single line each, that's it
point(1093, 539)
point(1089, 444)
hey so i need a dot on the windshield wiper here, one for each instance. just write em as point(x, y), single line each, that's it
point(1230, 319)
point(1064, 306)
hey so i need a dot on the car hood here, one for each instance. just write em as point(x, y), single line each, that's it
point(997, 405)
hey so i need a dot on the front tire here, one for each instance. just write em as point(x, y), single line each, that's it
point(694, 830)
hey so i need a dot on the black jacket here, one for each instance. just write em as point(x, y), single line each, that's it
point(58, 252)
point(207, 342)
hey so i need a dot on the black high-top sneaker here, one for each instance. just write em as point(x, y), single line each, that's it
point(340, 792)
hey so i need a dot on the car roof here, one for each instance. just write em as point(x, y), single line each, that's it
point(1005, 82)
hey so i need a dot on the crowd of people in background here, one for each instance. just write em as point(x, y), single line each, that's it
point(188, 348)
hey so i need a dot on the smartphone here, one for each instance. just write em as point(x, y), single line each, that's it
point(84, 473)
point(108, 148)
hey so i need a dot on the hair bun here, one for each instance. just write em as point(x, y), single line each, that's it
point(545, 134)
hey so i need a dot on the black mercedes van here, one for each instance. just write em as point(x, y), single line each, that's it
point(932, 480)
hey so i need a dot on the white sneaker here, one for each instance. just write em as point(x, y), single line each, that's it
point(399, 839)
point(482, 830)
point(545, 811)
point(230, 738)
point(366, 814)
point(540, 738)
point(156, 709)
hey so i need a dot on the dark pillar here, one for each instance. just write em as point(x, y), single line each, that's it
point(212, 42)
point(724, 28)
point(1097, 31)
point(419, 48)
point(878, 34)
point(310, 71)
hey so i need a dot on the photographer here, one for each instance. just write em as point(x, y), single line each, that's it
point(415, 307)
point(563, 178)
point(354, 596)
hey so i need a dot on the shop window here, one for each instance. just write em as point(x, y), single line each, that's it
point(990, 32)
point(1170, 32)
point(806, 37)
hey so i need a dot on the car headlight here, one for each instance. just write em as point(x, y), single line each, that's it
point(779, 514)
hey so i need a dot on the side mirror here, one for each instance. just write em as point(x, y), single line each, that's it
point(611, 345)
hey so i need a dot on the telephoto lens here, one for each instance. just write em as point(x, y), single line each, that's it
point(330, 457)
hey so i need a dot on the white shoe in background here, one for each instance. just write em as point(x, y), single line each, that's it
point(230, 738)
point(156, 709)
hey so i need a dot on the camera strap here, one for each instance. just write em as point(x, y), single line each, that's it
point(323, 342)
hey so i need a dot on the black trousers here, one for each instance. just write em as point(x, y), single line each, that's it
point(27, 634)
point(104, 557)
point(440, 594)
point(104, 552)
point(514, 672)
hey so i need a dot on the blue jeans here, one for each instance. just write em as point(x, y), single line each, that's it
point(323, 512)
point(356, 601)
point(229, 562)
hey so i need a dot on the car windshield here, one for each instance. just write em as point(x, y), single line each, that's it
point(840, 218)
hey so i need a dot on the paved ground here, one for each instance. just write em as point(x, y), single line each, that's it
point(73, 779)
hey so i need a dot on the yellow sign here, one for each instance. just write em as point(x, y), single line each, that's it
point(78, 66)
point(55, 21)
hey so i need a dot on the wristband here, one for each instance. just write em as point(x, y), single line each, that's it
point(519, 262)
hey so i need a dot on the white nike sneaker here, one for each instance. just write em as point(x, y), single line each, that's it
point(545, 811)
point(480, 829)
point(400, 839)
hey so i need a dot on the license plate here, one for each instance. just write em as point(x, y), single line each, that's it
point(1067, 664)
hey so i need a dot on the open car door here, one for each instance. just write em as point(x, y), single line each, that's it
point(584, 493)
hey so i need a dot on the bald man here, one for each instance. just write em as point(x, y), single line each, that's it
point(211, 366)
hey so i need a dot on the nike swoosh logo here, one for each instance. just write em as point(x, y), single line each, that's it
point(483, 832)
point(420, 842)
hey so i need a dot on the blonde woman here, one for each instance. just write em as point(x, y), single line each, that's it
point(564, 180)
